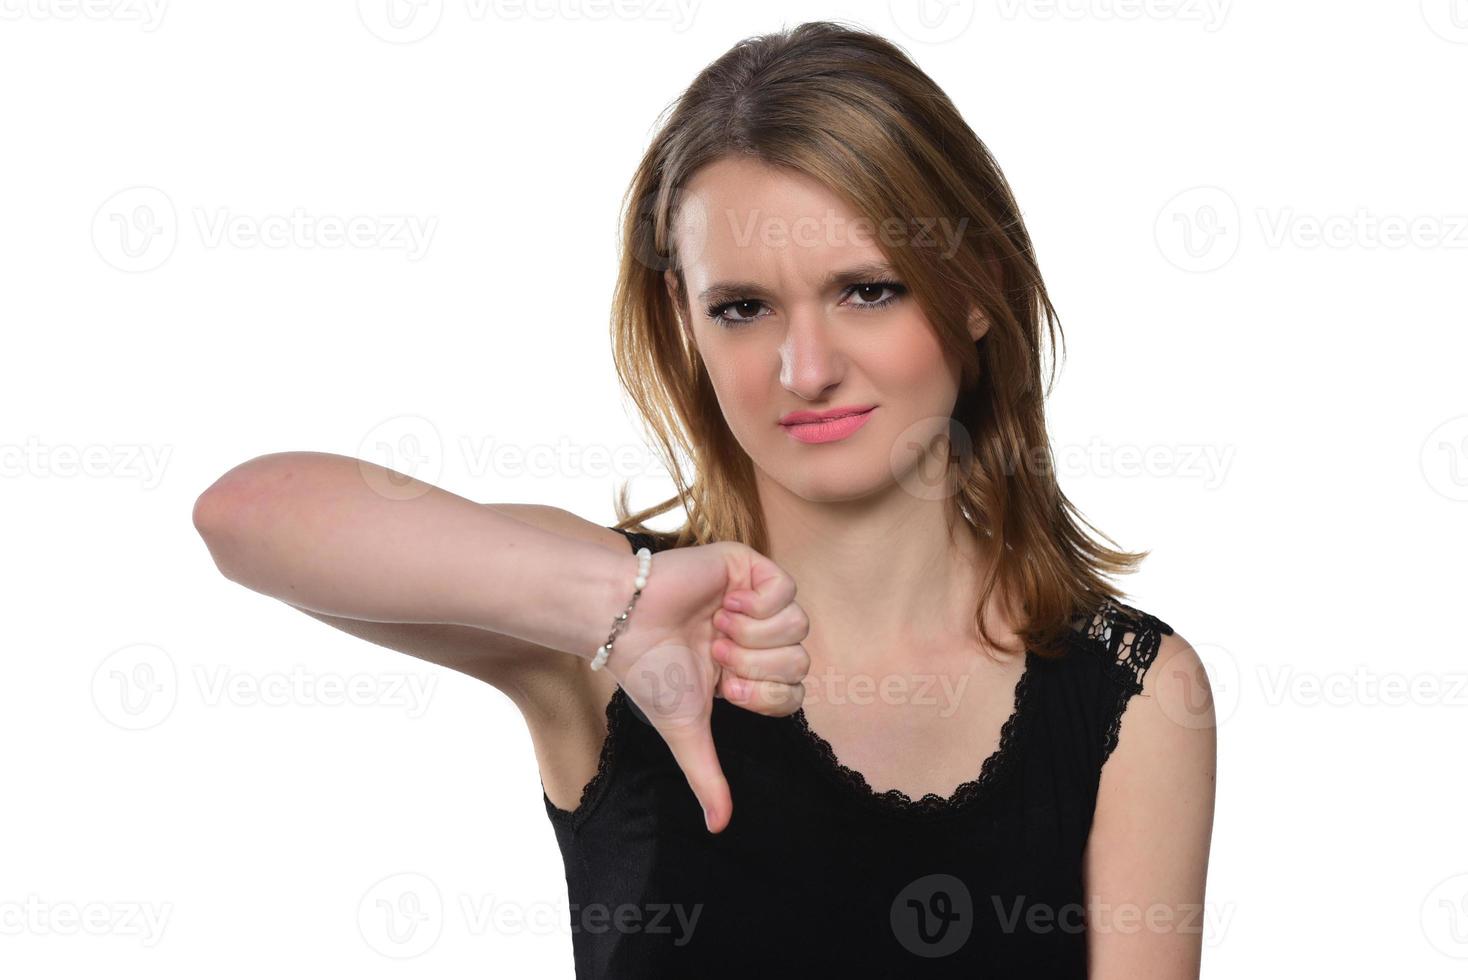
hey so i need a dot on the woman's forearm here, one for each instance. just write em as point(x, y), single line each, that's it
point(311, 529)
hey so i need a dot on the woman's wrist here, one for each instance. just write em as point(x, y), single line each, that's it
point(615, 582)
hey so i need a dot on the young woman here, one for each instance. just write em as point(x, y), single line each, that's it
point(957, 752)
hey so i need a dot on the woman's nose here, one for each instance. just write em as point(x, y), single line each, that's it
point(810, 361)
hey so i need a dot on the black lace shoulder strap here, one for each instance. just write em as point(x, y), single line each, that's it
point(1130, 639)
point(637, 539)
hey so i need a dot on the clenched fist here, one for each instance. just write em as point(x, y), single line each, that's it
point(715, 620)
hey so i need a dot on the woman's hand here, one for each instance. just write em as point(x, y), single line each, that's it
point(714, 620)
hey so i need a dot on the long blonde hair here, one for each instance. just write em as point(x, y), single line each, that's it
point(851, 109)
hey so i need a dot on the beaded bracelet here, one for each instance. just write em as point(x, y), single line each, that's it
point(644, 566)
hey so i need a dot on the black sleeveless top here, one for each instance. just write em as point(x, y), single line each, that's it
point(818, 875)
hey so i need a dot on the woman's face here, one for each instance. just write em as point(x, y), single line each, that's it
point(814, 320)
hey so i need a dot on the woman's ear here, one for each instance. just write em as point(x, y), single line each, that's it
point(978, 324)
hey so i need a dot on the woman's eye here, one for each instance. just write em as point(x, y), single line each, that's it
point(746, 310)
point(870, 293)
point(869, 296)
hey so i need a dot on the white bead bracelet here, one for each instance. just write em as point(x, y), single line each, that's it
point(644, 566)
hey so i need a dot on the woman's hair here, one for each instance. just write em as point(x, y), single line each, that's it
point(851, 110)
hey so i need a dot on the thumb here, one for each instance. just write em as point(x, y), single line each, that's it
point(693, 750)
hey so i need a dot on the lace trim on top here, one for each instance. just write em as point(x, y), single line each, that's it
point(1131, 639)
point(895, 801)
point(591, 792)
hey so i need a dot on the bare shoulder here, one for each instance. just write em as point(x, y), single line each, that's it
point(1168, 728)
point(1152, 829)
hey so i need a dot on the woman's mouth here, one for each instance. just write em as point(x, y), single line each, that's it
point(809, 427)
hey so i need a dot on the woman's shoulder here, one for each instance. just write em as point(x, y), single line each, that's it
point(1127, 652)
point(1124, 638)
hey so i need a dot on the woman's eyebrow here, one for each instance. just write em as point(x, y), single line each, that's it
point(724, 292)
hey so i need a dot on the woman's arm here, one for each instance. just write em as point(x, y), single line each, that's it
point(420, 570)
point(1146, 863)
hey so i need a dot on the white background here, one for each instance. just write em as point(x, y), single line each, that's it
point(1264, 385)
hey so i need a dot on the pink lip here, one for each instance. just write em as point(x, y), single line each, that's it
point(823, 427)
